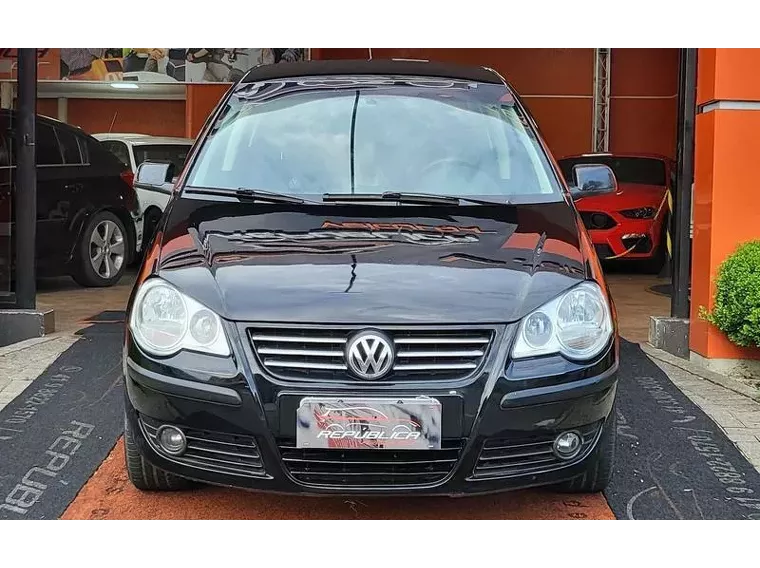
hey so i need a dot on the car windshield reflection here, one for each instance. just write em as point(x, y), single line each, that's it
point(372, 141)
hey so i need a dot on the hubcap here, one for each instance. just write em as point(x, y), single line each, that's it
point(106, 249)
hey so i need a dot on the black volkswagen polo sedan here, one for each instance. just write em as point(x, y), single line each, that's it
point(372, 279)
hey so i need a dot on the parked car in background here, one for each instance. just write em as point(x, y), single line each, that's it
point(371, 281)
point(89, 222)
point(132, 150)
point(629, 225)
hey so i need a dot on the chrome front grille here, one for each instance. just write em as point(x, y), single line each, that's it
point(317, 353)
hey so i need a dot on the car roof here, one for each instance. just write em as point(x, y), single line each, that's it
point(644, 155)
point(138, 139)
point(43, 118)
point(403, 67)
point(121, 135)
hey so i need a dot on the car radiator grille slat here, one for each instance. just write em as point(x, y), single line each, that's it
point(516, 455)
point(370, 468)
point(317, 353)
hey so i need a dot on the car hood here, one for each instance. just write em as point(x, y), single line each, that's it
point(339, 263)
point(628, 196)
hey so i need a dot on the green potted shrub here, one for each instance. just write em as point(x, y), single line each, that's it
point(736, 310)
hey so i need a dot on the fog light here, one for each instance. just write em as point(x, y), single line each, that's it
point(567, 445)
point(172, 440)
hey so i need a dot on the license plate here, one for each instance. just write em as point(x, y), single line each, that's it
point(369, 423)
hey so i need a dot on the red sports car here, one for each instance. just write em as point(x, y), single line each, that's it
point(629, 224)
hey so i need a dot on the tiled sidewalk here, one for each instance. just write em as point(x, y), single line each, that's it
point(733, 406)
point(23, 362)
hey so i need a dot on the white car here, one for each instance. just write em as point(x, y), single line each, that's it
point(133, 150)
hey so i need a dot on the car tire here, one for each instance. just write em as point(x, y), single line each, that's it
point(103, 251)
point(599, 464)
point(144, 475)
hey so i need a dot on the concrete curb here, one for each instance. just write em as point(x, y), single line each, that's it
point(699, 371)
point(31, 343)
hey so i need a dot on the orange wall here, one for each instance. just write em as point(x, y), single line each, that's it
point(47, 107)
point(557, 86)
point(726, 206)
point(202, 98)
point(156, 117)
point(160, 118)
point(644, 100)
point(728, 74)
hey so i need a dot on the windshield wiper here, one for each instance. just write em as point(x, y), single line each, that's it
point(248, 193)
point(407, 197)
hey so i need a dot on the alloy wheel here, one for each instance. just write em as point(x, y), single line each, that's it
point(107, 249)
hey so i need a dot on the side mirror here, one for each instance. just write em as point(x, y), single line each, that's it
point(592, 180)
point(154, 174)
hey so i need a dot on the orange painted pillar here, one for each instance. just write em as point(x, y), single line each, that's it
point(726, 200)
point(201, 99)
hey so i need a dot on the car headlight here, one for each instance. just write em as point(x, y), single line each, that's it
point(165, 321)
point(639, 213)
point(576, 324)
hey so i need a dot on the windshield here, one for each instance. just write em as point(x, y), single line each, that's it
point(424, 140)
point(638, 171)
point(174, 153)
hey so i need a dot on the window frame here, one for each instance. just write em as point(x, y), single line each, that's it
point(38, 136)
point(5, 142)
point(73, 135)
point(84, 154)
point(138, 147)
point(114, 142)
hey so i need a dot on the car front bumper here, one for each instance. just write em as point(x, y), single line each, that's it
point(629, 239)
point(497, 430)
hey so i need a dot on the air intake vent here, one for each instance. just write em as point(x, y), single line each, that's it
point(369, 468)
point(216, 452)
point(515, 456)
point(596, 220)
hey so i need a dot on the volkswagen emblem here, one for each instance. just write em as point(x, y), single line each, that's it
point(369, 355)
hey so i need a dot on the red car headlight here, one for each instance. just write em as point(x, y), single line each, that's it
point(639, 213)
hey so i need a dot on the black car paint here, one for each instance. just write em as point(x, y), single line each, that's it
point(68, 194)
point(363, 265)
